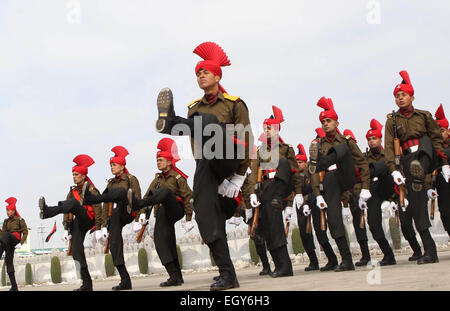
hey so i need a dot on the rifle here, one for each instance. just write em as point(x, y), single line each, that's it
point(69, 248)
point(110, 209)
point(398, 153)
point(361, 220)
point(147, 217)
point(256, 214)
point(322, 211)
point(433, 202)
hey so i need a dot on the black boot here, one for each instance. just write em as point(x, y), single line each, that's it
point(166, 112)
point(416, 249)
point(344, 250)
point(389, 258)
point(125, 281)
point(86, 284)
point(283, 264)
point(365, 254)
point(332, 259)
point(429, 246)
point(12, 279)
point(174, 275)
point(313, 261)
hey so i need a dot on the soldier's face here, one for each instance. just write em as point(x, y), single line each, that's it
point(163, 164)
point(374, 142)
point(10, 212)
point(301, 165)
point(271, 131)
point(117, 169)
point(206, 79)
point(444, 133)
point(403, 99)
point(329, 125)
point(78, 178)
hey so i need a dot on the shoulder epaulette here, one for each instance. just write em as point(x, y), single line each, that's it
point(389, 116)
point(192, 104)
point(348, 137)
point(178, 176)
point(230, 97)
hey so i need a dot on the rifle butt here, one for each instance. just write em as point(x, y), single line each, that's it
point(322, 220)
point(141, 233)
point(106, 246)
point(362, 220)
point(69, 248)
point(287, 228)
point(433, 202)
point(397, 219)
point(308, 224)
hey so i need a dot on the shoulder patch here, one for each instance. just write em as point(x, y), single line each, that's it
point(178, 176)
point(229, 97)
point(389, 116)
point(192, 104)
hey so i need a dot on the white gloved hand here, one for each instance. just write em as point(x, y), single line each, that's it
point(306, 210)
point(386, 211)
point(406, 204)
point(137, 226)
point(288, 213)
point(223, 187)
point(248, 214)
point(298, 201)
point(189, 226)
point(321, 202)
point(233, 188)
point(432, 194)
point(142, 219)
point(393, 206)
point(446, 172)
point(105, 233)
point(254, 200)
point(365, 195)
point(362, 204)
point(98, 236)
point(67, 236)
point(18, 246)
point(398, 178)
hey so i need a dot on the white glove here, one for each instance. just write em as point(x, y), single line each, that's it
point(298, 201)
point(223, 186)
point(18, 246)
point(142, 220)
point(362, 204)
point(365, 195)
point(254, 200)
point(321, 202)
point(189, 226)
point(67, 236)
point(137, 226)
point(98, 236)
point(432, 194)
point(306, 210)
point(446, 172)
point(398, 178)
point(248, 214)
point(235, 221)
point(288, 212)
point(386, 210)
point(234, 186)
point(105, 233)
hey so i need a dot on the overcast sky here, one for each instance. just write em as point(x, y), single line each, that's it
point(81, 76)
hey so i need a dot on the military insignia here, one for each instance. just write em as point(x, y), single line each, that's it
point(193, 103)
point(229, 97)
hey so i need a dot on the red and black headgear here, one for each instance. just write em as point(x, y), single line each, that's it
point(168, 149)
point(82, 161)
point(301, 156)
point(214, 58)
point(329, 112)
point(119, 158)
point(276, 118)
point(12, 205)
point(441, 120)
point(375, 130)
point(405, 85)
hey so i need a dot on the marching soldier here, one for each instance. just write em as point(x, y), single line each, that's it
point(381, 188)
point(13, 236)
point(171, 197)
point(87, 217)
point(419, 144)
point(309, 208)
point(280, 178)
point(221, 159)
point(116, 191)
point(352, 198)
point(332, 164)
point(442, 187)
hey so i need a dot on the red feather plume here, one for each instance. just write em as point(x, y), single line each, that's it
point(325, 103)
point(405, 76)
point(120, 151)
point(213, 52)
point(301, 149)
point(83, 160)
point(277, 114)
point(375, 125)
point(11, 201)
point(440, 115)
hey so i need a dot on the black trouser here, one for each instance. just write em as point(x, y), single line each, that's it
point(361, 233)
point(261, 249)
point(81, 224)
point(7, 244)
point(443, 190)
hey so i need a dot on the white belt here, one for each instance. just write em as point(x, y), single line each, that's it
point(375, 179)
point(413, 148)
point(271, 175)
point(332, 168)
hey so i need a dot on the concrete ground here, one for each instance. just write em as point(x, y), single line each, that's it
point(405, 276)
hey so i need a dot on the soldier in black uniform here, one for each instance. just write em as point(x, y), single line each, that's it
point(222, 158)
point(87, 217)
point(13, 236)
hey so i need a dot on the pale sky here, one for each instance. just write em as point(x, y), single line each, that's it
point(81, 76)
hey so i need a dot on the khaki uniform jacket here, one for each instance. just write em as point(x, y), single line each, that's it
point(98, 218)
point(358, 157)
point(16, 224)
point(419, 124)
point(228, 110)
point(125, 181)
point(178, 185)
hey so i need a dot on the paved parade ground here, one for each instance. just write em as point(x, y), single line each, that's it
point(405, 276)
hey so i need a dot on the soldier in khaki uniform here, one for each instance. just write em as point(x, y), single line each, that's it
point(221, 153)
point(116, 192)
point(87, 217)
point(421, 143)
point(13, 235)
point(171, 197)
point(442, 187)
point(336, 156)
point(280, 177)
